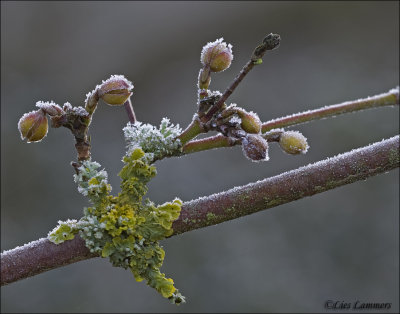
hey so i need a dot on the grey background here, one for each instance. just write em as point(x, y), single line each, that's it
point(340, 245)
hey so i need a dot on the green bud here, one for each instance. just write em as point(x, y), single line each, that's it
point(116, 90)
point(255, 147)
point(217, 55)
point(33, 126)
point(250, 123)
point(293, 142)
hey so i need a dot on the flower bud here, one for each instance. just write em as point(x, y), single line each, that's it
point(272, 41)
point(116, 90)
point(255, 147)
point(217, 55)
point(293, 142)
point(51, 108)
point(251, 123)
point(33, 126)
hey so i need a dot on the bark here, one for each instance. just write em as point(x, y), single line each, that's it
point(42, 255)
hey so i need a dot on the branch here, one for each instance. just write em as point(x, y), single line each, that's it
point(390, 98)
point(129, 111)
point(290, 186)
point(270, 42)
point(42, 255)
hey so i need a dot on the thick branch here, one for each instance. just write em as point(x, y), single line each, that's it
point(42, 255)
point(290, 186)
point(39, 256)
point(390, 98)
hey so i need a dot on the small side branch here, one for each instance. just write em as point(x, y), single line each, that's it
point(270, 42)
point(390, 98)
point(129, 111)
point(42, 255)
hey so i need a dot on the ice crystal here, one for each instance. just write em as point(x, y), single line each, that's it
point(92, 182)
point(156, 143)
point(49, 107)
point(80, 111)
point(67, 106)
point(235, 119)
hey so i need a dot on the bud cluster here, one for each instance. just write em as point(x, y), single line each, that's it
point(243, 126)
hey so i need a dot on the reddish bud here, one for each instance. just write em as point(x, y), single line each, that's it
point(217, 55)
point(255, 147)
point(33, 126)
point(116, 90)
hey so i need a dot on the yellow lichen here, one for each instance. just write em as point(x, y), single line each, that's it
point(125, 228)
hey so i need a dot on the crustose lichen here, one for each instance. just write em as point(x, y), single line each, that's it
point(126, 228)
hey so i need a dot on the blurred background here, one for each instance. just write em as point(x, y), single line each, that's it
point(341, 245)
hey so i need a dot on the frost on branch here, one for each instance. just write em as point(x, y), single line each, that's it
point(92, 182)
point(50, 107)
point(156, 143)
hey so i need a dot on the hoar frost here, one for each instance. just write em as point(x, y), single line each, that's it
point(97, 183)
point(156, 143)
point(48, 106)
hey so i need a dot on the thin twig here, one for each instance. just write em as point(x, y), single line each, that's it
point(246, 69)
point(390, 98)
point(270, 42)
point(129, 110)
point(191, 131)
point(42, 255)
